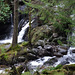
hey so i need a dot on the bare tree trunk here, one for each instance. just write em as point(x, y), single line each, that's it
point(15, 33)
point(29, 33)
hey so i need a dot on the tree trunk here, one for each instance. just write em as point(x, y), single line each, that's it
point(29, 33)
point(15, 33)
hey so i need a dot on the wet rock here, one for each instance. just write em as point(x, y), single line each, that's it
point(69, 67)
point(31, 56)
point(55, 35)
point(62, 51)
point(21, 59)
point(40, 43)
point(51, 61)
point(8, 46)
point(39, 47)
point(64, 62)
point(42, 52)
point(73, 51)
point(35, 50)
point(47, 47)
point(58, 54)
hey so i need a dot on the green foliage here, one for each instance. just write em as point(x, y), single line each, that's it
point(26, 73)
point(51, 69)
point(55, 68)
point(16, 48)
point(50, 14)
point(6, 57)
point(58, 66)
point(25, 43)
point(2, 49)
point(59, 42)
point(4, 11)
point(63, 20)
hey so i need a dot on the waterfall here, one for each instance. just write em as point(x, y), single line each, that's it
point(22, 32)
point(20, 36)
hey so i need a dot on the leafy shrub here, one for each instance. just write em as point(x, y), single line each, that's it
point(4, 11)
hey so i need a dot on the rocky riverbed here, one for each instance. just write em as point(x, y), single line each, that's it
point(46, 50)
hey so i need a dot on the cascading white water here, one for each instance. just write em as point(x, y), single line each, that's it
point(20, 36)
point(67, 59)
point(22, 32)
point(34, 65)
point(70, 57)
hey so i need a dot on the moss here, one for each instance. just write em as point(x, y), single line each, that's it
point(24, 43)
point(16, 48)
point(2, 48)
point(55, 72)
point(58, 66)
point(36, 73)
point(26, 73)
point(60, 70)
point(70, 67)
point(24, 51)
point(40, 33)
point(4, 56)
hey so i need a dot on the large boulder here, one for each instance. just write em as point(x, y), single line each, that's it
point(41, 32)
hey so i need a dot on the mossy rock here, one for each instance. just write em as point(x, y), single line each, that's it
point(41, 32)
point(70, 67)
point(6, 58)
point(24, 44)
point(55, 72)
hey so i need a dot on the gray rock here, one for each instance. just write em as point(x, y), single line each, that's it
point(40, 43)
point(7, 46)
point(51, 61)
point(31, 56)
point(62, 51)
point(73, 51)
point(21, 59)
point(35, 50)
point(55, 35)
point(39, 47)
point(58, 54)
point(47, 47)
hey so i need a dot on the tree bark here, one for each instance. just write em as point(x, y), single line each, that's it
point(15, 32)
point(29, 33)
